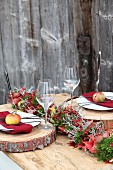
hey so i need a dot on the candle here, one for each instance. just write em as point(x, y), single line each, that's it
point(7, 79)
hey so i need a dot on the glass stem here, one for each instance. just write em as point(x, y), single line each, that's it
point(71, 98)
point(46, 109)
point(46, 120)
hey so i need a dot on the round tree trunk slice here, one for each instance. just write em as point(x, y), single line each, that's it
point(104, 116)
point(37, 139)
point(96, 115)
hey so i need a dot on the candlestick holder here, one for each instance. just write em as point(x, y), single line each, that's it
point(7, 80)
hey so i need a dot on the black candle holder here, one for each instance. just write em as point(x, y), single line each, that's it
point(7, 80)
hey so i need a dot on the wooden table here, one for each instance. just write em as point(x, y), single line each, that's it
point(57, 156)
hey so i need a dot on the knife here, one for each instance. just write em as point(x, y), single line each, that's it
point(30, 118)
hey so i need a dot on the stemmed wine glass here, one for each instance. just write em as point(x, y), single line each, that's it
point(71, 79)
point(45, 96)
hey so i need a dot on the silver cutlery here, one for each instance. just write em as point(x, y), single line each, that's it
point(21, 123)
point(89, 103)
point(85, 103)
point(3, 118)
point(29, 122)
point(111, 97)
point(30, 118)
point(6, 130)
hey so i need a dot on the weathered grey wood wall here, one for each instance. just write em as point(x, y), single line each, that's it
point(106, 44)
point(39, 37)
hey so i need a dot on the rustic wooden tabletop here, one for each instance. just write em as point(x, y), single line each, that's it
point(57, 156)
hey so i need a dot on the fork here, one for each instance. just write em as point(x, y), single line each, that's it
point(3, 118)
point(85, 103)
point(31, 117)
point(110, 97)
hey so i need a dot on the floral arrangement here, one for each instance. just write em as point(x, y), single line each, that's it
point(25, 100)
point(84, 134)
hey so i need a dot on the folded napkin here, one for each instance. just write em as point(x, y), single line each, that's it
point(20, 128)
point(106, 103)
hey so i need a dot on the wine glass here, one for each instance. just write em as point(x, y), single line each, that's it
point(71, 79)
point(45, 96)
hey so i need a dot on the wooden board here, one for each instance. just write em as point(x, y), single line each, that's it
point(37, 139)
point(58, 156)
point(105, 116)
point(96, 115)
point(92, 114)
point(41, 37)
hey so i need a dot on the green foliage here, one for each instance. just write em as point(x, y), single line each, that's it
point(25, 97)
point(35, 102)
point(68, 128)
point(40, 112)
point(105, 149)
point(13, 106)
point(79, 137)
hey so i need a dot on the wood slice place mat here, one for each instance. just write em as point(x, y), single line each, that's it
point(106, 117)
point(37, 139)
point(92, 114)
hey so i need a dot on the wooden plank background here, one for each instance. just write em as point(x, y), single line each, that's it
point(39, 37)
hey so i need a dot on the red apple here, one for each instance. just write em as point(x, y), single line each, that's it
point(13, 119)
point(99, 97)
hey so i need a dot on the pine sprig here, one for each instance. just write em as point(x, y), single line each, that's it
point(105, 149)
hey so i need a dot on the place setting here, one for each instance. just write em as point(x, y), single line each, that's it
point(18, 122)
point(95, 100)
point(101, 101)
point(28, 122)
point(27, 104)
point(98, 101)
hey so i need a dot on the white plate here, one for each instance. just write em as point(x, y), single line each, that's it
point(34, 120)
point(82, 101)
